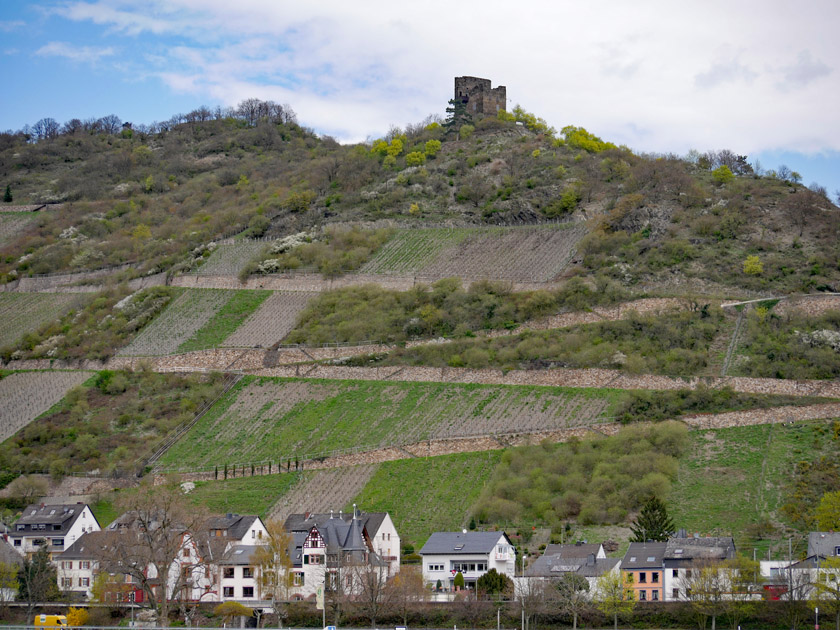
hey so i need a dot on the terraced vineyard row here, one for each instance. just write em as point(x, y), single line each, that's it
point(323, 490)
point(274, 320)
point(21, 313)
point(228, 259)
point(12, 224)
point(178, 322)
point(533, 253)
point(268, 419)
point(26, 395)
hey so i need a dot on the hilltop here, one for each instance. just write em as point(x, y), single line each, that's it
point(402, 308)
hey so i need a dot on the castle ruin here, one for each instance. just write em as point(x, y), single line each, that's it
point(479, 97)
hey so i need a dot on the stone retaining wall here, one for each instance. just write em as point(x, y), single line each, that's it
point(810, 305)
point(317, 283)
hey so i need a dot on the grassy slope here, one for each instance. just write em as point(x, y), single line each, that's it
point(428, 494)
point(331, 415)
point(245, 495)
point(732, 478)
point(225, 321)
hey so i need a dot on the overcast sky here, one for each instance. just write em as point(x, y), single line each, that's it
point(758, 77)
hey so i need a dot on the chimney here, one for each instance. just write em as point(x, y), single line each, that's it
point(331, 514)
point(306, 515)
point(354, 512)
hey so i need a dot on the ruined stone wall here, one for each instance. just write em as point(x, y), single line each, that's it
point(479, 96)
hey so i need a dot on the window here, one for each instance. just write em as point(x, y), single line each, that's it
point(642, 577)
point(675, 573)
point(654, 596)
point(253, 533)
point(227, 591)
point(247, 572)
point(642, 596)
point(227, 572)
point(688, 573)
point(247, 591)
point(675, 593)
point(654, 576)
point(297, 579)
point(67, 564)
point(66, 582)
point(84, 564)
point(837, 551)
point(436, 567)
point(17, 542)
point(84, 581)
point(186, 553)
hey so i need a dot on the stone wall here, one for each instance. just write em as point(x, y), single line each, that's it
point(479, 96)
point(810, 305)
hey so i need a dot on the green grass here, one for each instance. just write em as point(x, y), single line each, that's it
point(268, 418)
point(732, 478)
point(226, 320)
point(104, 511)
point(428, 494)
point(245, 495)
point(412, 249)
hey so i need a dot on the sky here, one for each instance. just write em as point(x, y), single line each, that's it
point(761, 78)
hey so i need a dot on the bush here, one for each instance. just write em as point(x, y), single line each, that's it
point(415, 158)
point(722, 174)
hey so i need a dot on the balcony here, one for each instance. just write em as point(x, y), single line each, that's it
point(503, 557)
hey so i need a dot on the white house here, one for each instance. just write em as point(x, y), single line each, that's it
point(238, 529)
point(472, 554)
point(330, 551)
point(238, 575)
point(586, 560)
point(685, 554)
point(58, 526)
point(378, 526)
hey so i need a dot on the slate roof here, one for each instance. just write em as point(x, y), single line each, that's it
point(371, 521)
point(454, 543)
point(555, 565)
point(240, 555)
point(85, 547)
point(679, 549)
point(823, 544)
point(59, 517)
point(8, 553)
point(644, 555)
point(574, 550)
point(236, 525)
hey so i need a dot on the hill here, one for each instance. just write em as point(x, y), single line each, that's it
point(444, 280)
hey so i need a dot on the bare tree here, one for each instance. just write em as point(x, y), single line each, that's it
point(573, 595)
point(274, 564)
point(369, 585)
point(46, 128)
point(28, 488)
point(110, 124)
point(159, 543)
point(407, 589)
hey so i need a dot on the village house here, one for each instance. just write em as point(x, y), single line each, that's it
point(472, 554)
point(57, 526)
point(685, 555)
point(333, 551)
point(587, 560)
point(643, 565)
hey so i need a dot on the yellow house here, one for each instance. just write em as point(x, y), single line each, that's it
point(643, 565)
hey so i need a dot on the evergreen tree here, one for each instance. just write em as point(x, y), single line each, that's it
point(456, 114)
point(494, 583)
point(7, 197)
point(653, 523)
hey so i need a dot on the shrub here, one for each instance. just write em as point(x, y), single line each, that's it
point(753, 266)
point(415, 158)
point(465, 131)
point(432, 147)
point(722, 174)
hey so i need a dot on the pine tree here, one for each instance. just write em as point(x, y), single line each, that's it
point(7, 197)
point(653, 523)
point(456, 114)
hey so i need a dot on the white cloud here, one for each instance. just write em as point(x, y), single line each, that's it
point(656, 75)
point(83, 54)
point(7, 26)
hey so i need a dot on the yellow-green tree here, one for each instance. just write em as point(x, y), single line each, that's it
point(415, 158)
point(753, 266)
point(614, 595)
point(828, 512)
point(723, 174)
point(231, 610)
point(826, 592)
point(432, 147)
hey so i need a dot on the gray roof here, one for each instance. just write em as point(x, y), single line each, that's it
point(647, 555)
point(85, 547)
point(453, 543)
point(574, 550)
point(59, 517)
point(823, 544)
point(371, 521)
point(240, 555)
point(8, 553)
point(237, 525)
point(678, 549)
point(556, 565)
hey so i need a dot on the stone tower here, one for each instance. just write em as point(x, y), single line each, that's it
point(479, 97)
